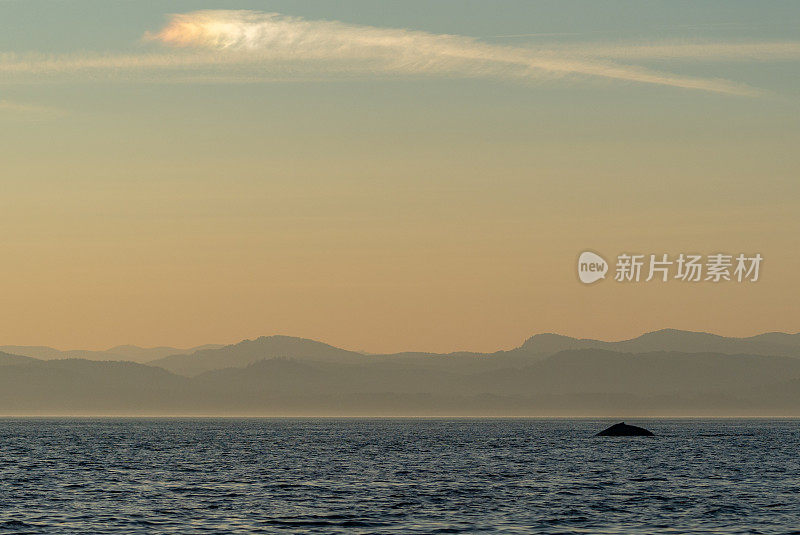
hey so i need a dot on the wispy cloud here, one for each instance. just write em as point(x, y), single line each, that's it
point(280, 38)
point(236, 46)
point(10, 106)
point(772, 51)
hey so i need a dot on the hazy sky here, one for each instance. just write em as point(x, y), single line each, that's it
point(391, 175)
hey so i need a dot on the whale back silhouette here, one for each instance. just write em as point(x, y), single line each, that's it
point(624, 430)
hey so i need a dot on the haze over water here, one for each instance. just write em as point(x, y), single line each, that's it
point(360, 476)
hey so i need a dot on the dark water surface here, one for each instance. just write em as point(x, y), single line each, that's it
point(99, 476)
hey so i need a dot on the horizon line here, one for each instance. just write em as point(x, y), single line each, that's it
point(276, 335)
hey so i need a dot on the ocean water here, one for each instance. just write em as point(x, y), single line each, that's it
point(359, 476)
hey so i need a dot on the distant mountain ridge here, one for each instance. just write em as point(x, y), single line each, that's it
point(7, 359)
point(776, 344)
point(535, 348)
point(549, 375)
point(249, 351)
point(121, 353)
point(585, 382)
point(207, 357)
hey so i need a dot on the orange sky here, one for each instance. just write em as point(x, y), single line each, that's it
point(433, 210)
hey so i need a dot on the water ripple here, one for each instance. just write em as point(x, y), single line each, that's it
point(187, 476)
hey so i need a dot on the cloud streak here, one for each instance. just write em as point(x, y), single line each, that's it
point(269, 37)
point(248, 46)
point(772, 51)
point(11, 106)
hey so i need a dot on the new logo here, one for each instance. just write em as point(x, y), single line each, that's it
point(591, 267)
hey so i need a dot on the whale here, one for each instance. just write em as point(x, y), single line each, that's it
point(624, 430)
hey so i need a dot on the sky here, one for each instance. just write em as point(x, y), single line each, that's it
point(391, 175)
